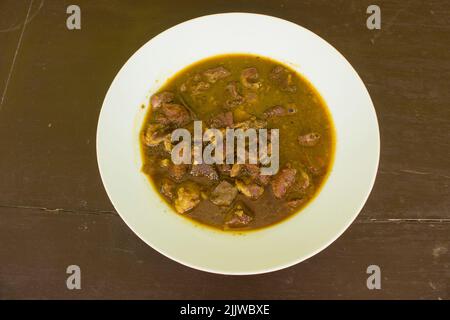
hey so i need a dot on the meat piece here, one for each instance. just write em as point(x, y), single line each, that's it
point(168, 188)
point(173, 114)
point(249, 78)
point(250, 190)
point(177, 171)
point(235, 98)
point(253, 172)
point(250, 171)
point(154, 135)
point(158, 99)
point(283, 78)
point(276, 111)
point(204, 170)
point(222, 120)
point(223, 194)
point(277, 74)
point(309, 140)
point(199, 88)
point(241, 170)
point(214, 74)
point(232, 90)
point(283, 181)
point(188, 196)
point(239, 216)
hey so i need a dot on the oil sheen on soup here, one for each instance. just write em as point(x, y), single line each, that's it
point(239, 91)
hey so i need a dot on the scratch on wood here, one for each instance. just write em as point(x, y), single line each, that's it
point(27, 21)
point(60, 210)
point(413, 172)
point(111, 212)
point(15, 56)
point(404, 220)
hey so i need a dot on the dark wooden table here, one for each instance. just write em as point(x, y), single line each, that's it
point(54, 211)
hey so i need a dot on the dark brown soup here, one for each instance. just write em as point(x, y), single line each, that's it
point(239, 91)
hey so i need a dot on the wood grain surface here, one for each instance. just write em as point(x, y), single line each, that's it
point(53, 208)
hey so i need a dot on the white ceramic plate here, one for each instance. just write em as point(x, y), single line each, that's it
point(273, 248)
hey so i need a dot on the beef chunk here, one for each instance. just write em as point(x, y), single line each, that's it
point(235, 98)
point(249, 78)
point(278, 74)
point(154, 135)
point(232, 90)
point(158, 99)
point(177, 171)
point(199, 88)
point(250, 190)
point(204, 170)
point(283, 78)
point(250, 171)
point(239, 216)
point(222, 120)
point(275, 111)
point(283, 181)
point(173, 114)
point(214, 74)
point(168, 188)
point(188, 196)
point(309, 140)
point(223, 194)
